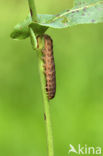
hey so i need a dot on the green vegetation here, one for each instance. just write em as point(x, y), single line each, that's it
point(77, 110)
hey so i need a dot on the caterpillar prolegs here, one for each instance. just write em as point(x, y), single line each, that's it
point(49, 66)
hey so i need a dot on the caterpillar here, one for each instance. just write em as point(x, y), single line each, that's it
point(49, 66)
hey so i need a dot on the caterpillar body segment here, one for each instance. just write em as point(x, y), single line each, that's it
point(49, 66)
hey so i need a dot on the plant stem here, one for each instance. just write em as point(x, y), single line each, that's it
point(45, 98)
point(32, 10)
point(45, 101)
point(43, 80)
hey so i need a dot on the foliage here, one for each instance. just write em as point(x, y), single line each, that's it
point(84, 11)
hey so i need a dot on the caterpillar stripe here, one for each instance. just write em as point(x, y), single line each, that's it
point(49, 66)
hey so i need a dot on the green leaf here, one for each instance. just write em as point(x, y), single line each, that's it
point(84, 11)
point(82, 3)
point(37, 28)
point(21, 31)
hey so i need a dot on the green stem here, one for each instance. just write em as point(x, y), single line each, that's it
point(32, 10)
point(42, 78)
point(45, 100)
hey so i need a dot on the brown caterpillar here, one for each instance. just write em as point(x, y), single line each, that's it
point(49, 66)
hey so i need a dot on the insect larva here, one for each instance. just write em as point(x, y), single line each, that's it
point(49, 66)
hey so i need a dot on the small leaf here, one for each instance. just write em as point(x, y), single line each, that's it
point(20, 34)
point(21, 31)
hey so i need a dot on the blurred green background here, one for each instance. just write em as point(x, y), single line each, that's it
point(76, 110)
